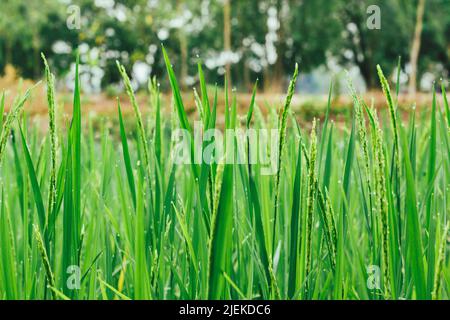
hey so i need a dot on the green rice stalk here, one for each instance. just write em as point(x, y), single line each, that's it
point(34, 183)
point(396, 171)
point(156, 102)
point(221, 235)
point(310, 201)
point(198, 105)
point(382, 200)
point(45, 261)
point(126, 155)
point(217, 190)
point(138, 115)
point(206, 109)
point(2, 109)
point(10, 118)
point(8, 255)
point(440, 263)
point(332, 233)
point(447, 108)
point(414, 247)
point(185, 232)
point(362, 133)
point(295, 228)
point(392, 113)
point(282, 135)
point(430, 222)
point(52, 125)
point(327, 217)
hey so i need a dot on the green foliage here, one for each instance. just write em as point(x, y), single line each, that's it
point(136, 225)
point(267, 37)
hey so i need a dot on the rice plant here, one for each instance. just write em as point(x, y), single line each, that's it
point(355, 210)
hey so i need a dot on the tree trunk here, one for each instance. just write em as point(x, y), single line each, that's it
point(275, 80)
point(36, 64)
point(36, 56)
point(415, 48)
point(183, 54)
point(227, 35)
point(368, 72)
point(281, 49)
point(183, 50)
point(8, 54)
point(246, 75)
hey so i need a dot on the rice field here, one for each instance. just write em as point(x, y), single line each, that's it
point(353, 211)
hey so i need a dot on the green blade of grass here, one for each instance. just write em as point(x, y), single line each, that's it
point(76, 145)
point(447, 109)
point(10, 119)
point(34, 184)
point(176, 93)
point(282, 135)
point(2, 109)
point(126, 156)
point(254, 202)
point(220, 241)
point(295, 229)
point(205, 100)
point(52, 198)
point(187, 238)
point(7, 256)
point(413, 232)
point(45, 261)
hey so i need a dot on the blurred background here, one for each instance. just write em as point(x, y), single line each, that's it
point(247, 39)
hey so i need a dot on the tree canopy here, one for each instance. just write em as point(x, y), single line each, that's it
point(266, 37)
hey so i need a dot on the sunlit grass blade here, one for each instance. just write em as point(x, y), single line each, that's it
point(126, 155)
point(414, 239)
point(2, 109)
point(205, 100)
point(220, 241)
point(282, 138)
point(430, 222)
point(447, 109)
point(52, 198)
point(34, 184)
point(10, 119)
point(185, 232)
point(45, 261)
point(254, 202)
point(7, 256)
point(295, 229)
point(176, 93)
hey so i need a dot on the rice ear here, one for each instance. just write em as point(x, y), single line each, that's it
point(310, 201)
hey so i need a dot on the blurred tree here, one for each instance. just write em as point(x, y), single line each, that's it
point(254, 39)
point(365, 47)
point(415, 48)
point(21, 31)
point(10, 30)
point(248, 29)
point(313, 29)
point(227, 34)
point(435, 46)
